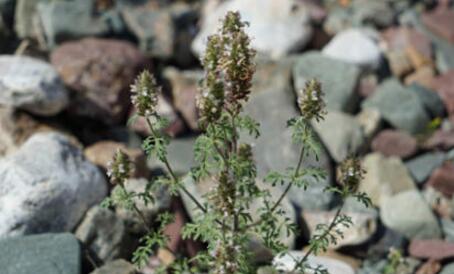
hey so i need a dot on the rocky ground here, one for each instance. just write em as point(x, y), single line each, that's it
point(387, 69)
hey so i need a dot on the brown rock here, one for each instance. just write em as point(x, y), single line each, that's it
point(417, 58)
point(431, 249)
point(441, 22)
point(367, 85)
point(424, 76)
point(102, 152)
point(444, 85)
point(430, 267)
point(185, 85)
point(100, 71)
point(442, 179)
point(395, 143)
point(399, 63)
point(441, 139)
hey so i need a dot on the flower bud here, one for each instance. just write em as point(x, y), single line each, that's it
point(310, 101)
point(119, 168)
point(144, 94)
point(350, 174)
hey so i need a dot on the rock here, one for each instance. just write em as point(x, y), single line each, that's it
point(370, 122)
point(385, 177)
point(272, 75)
point(116, 267)
point(363, 228)
point(408, 266)
point(69, 20)
point(354, 46)
point(442, 139)
point(287, 22)
point(399, 106)
point(431, 100)
point(398, 62)
point(44, 253)
point(447, 269)
point(31, 84)
point(376, 13)
point(439, 203)
point(275, 151)
point(101, 153)
point(341, 134)
point(367, 84)
point(133, 222)
point(430, 267)
point(185, 86)
point(100, 71)
point(408, 213)
point(50, 195)
point(153, 28)
point(200, 189)
point(338, 79)
point(423, 76)
point(24, 16)
point(105, 234)
point(395, 143)
point(422, 166)
point(440, 21)
point(442, 179)
point(386, 241)
point(431, 249)
point(444, 85)
point(333, 266)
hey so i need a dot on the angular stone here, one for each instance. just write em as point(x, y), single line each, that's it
point(442, 179)
point(431, 249)
point(442, 139)
point(153, 28)
point(116, 267)
point(277, 28)
point(399, 63)
point(408, 213)
point(429, 267)
point(440, 21)
point(272, 75)
point(448, 269)
point(367, 84)
point(24, 15)
point(444, 85)
point(50, 195)
point(338, 79)
point(422, 166)
point(333, 266)
point(101, 153)
point(385, 177)
point(44, 253)
point(363, 228)
point(185, 87)
point(354, 46)
point(424, 76)
point(370, 122)
point(341, 134)
point(387, 239)
point(394, 143)
point(100, 71)
point(431, 100)
point(399, 106)
point(31, 84)
point(105, 234)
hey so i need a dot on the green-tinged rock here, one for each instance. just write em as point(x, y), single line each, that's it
point(338, 79)
point(448, 269)
point(408, 213)
point(399, 106)
point(430, 100)
point(341, 134)
point(44, 253)
point(24, 16)
point(116, 267)
point(422, 166)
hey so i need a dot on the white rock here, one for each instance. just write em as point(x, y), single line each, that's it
point(276, 27)
point(46, 186)
point(31, 84)
point(354, 46)
point(333, 266)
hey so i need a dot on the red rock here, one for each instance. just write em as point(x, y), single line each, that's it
point(441, 22)
point(430, 267)
point(394, 143)
point(444, 85)
point(367, 85)
point(431, 249)
point(442, 179)
point(100, 71)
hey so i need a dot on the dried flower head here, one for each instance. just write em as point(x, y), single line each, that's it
point(144, 94)
point(350, 173)
point(310, 101)
point(119, 168)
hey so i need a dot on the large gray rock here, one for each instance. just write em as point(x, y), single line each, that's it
point(31, 84)
point(399, 106)
point(105, 233)
point(422, 166)
point(338, 79)
point(408, 213)
point(277, 28)
point(46, 186)
point(431, 100)
point(341, 133)
point(355, 46)
point(45, 253)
